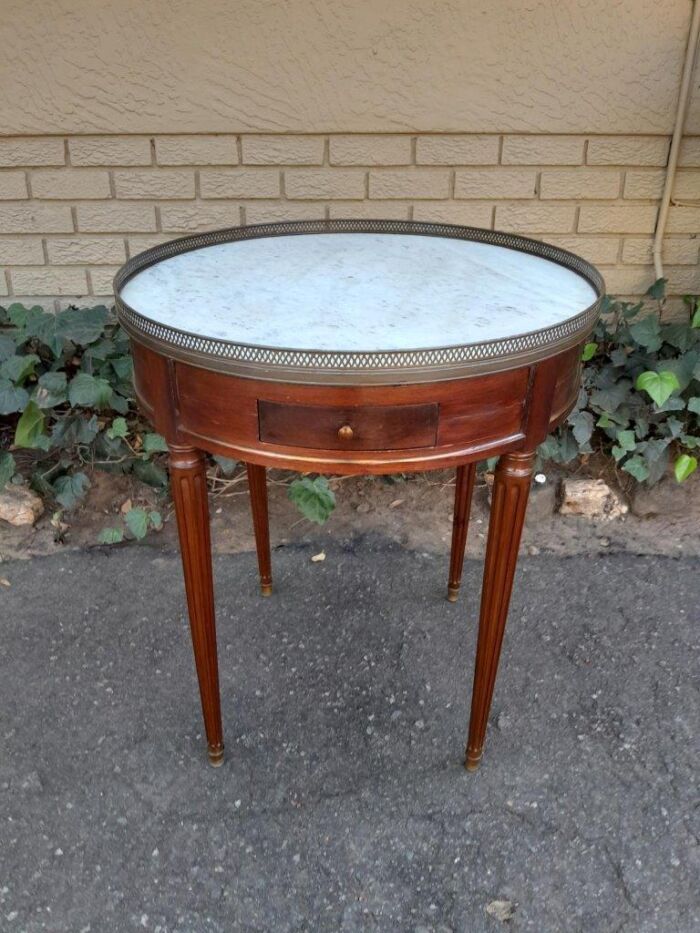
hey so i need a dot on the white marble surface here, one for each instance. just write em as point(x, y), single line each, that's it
point(357, 292)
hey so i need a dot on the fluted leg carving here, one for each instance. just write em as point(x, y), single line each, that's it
point(257, 484)
point(508, 503)
point(189, 486)
point(464, 488)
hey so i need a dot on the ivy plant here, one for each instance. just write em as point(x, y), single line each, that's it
point(66, 402)
point(640, 396)
point(66, 405)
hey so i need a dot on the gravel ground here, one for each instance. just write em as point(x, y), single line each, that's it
point(342, 804)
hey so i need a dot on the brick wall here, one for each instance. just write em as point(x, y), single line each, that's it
point(73, 209)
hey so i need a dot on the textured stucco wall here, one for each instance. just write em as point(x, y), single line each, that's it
point(174, 66)
point(125, 124)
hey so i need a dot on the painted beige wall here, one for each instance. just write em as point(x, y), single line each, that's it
point(174, 66)
point(126, 124)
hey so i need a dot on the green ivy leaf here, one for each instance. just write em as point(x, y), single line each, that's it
point(656, 457)
point(694, 404)
point(695, 320)
point(659, 386)
point(589, 351)
point(110, 536)
point(7, 347)
point(313, 497)
point(227, 465)
point(626, 443)
point(118, 403)
point(684, 466)
point(118, 428)
point(7, 467)
point(82, 326)
point(70, 489)
point(123, 367)
point(609, 398)
point(41, 325)
point(89, 391)
point(12, 397)
point(549, 448)
point(647, 332)
point(74, 429)
point(626, 440)
point(154, 443)
point(582, 425)
point(51, 390)
point(672, 404)
point(18, 314)
point(678, 335)
point(657, 290)
point(150, 473)
point(675, 426)
point(636, 467)
point(682, 367)
point(101, 350)
point(155, 520)
point(137, 522)
point(18, 368)
point(30, 428)
point(690, 440)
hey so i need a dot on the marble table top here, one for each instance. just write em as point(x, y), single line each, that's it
point(350, 292)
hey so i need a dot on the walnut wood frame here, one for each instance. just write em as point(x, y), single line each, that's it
point(507, 413)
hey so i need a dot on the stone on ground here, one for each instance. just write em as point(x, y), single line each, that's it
point(19, 505)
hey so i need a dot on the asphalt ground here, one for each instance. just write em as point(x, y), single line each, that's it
point(342, 804)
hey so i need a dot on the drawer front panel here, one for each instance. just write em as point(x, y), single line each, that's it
point(375, 427)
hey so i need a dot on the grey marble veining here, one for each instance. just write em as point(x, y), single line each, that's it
point(357, 292)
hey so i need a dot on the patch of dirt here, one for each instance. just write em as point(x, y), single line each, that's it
point(415, 512)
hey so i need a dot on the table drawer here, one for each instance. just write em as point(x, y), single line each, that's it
point(375, 427)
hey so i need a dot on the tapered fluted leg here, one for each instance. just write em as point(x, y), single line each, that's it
point(509, 499)
point(257, 483)
point(189, 486)
point(464, 488)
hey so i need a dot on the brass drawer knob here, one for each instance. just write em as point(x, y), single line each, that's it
point(345, 432)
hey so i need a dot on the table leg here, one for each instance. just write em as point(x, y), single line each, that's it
point(460, 525)
point(509, 499)
point(257, 484)
point(189, 486)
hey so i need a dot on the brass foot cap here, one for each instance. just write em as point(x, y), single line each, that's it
point(266, 589)
point(216, 755)
point(472, 762)
point(452, 593)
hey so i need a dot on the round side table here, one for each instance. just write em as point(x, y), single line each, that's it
point(356, 347)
